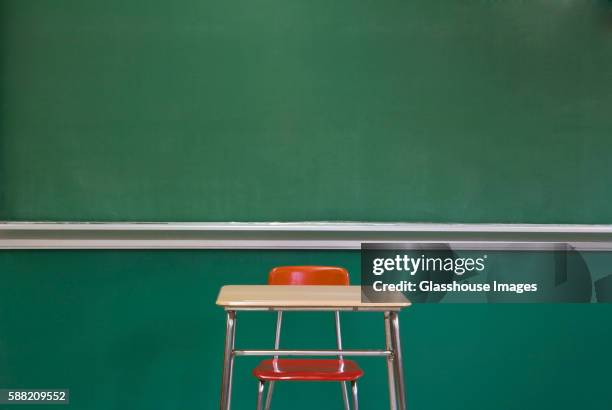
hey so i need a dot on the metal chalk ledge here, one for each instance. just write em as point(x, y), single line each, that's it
point(288, 235)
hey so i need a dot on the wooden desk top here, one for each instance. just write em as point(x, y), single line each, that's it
point(263, 297)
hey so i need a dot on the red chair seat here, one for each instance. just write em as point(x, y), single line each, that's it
point(308, 370)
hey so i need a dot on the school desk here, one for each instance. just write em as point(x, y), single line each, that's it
point(235, 298)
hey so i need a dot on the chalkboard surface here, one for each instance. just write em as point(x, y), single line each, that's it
point(192, 110)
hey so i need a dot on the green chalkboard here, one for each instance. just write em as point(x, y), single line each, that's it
point(195, 110)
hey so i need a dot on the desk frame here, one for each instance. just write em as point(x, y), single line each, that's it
point(392, 352)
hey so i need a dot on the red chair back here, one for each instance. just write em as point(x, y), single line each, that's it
point(308, 275)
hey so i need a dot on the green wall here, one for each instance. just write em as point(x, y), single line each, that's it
point(139, 330)
point(194, 110)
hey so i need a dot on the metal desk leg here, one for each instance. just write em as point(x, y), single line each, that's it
point(398, 364)
point(228, 360)
point(390, 369)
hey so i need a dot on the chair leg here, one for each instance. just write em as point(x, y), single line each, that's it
point(355, 398)
point(260, 390)
point(269, 396)
point(345, 396)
